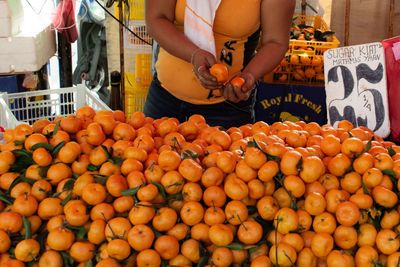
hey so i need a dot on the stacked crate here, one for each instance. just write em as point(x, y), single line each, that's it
point(304, 61)
point(138, 59)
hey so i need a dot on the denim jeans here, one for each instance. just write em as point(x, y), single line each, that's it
point(160, 103)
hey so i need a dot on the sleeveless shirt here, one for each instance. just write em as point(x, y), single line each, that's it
point(236, 32)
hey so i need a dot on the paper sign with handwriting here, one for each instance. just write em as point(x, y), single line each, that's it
point(356, 86)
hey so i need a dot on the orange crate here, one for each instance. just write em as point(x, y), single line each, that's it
point(304, 61)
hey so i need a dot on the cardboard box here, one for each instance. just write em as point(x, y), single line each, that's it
point(27, 52)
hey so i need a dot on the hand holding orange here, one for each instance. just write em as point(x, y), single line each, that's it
point(237, 82)
point(220, 71)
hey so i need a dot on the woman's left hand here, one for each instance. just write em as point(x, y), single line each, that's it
point(235, 93)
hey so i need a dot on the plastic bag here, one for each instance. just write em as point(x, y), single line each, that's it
point(64, 20)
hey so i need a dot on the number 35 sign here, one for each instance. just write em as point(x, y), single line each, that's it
point(356, 88)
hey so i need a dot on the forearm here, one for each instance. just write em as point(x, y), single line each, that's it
point(266, 59)
point(171, 39)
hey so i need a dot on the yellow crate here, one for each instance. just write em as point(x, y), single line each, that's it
point(136, 10)
point(143, 73)
point(135, 94)
point(304, 61)
point(301, 69)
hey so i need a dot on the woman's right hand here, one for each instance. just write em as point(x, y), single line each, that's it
point(202, 61)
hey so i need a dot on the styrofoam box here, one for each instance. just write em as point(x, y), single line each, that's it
point(10, 23)
point(26, 52)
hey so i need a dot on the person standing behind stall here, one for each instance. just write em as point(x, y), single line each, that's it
point(194, 35)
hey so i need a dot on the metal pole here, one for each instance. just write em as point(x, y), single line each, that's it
point(303, 7)
point(347, 24)
point(391, 19)
point(121, 52)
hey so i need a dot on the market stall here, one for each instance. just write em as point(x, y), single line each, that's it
point(313, 182)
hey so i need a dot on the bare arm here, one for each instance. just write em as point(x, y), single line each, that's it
point(276, 19)
point(160, 16)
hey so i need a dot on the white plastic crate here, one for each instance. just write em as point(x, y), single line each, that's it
point(132, 42)
point(28, 107)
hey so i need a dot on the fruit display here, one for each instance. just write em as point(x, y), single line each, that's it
point(310, 37)
point(99, 189)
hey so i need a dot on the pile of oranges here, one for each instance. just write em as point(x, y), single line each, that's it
point(99, 189)
point(300, 68)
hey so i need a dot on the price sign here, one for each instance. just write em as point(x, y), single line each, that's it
point(356, 86)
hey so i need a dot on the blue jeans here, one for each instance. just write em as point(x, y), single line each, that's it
point(160, 103)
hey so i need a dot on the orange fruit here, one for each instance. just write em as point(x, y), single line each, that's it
point(244, 171)
point(387, 241)
point(282, 255)
point(286, 220)
point(366, 256)
point(214, 215)
point(164, 219)
point(60, 239)
point(220, 72)
point(289, 162)
point(167, 246)
point(322, 244)
point(339, 258)
point(256, 189)
point(226, 161)
point(50, 258)
point(26, 205)
point(192, 192)
point(339, 165)
point(267, 208)
point(222, 257)
point(268, 171)
point(212, 176)
point(117, 228)
point(315, 204)
point(384, 197)
point(148, 257)
point(306, 258)
point(190, 170)
point(58, 172)
point(191, 250)
point(372, 177)
point(192, 213)
point(27, 250)
point(249, 232)
point(82, 251)
point(94, 194)
point(235, 188)
point(96, 233)
point(220, 235)
point(5, 241)
point(50, 207)
point(295, 185)
point(214, 196)
point(108, 262)
point(347, 213)
point(118, 249)
point(103, 211)
point(324, 223)
point(393, 260)
point(180, 260)
point(237, 81)
point(351, 182)
point(345, 237)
